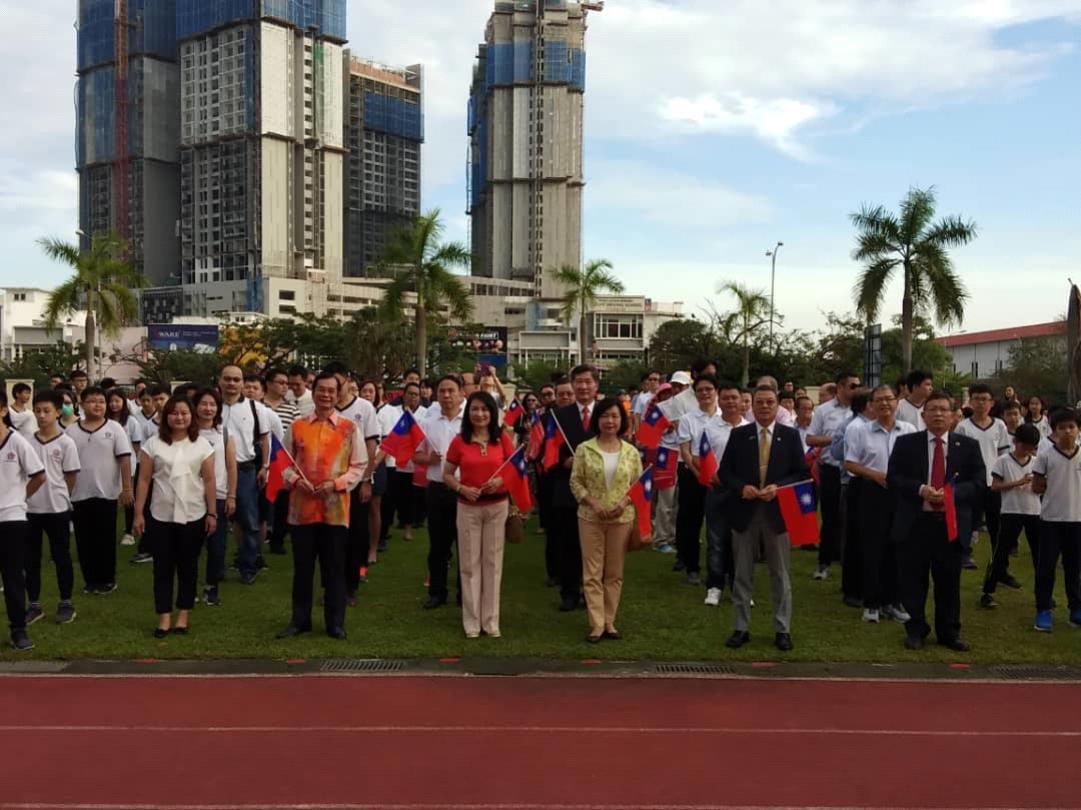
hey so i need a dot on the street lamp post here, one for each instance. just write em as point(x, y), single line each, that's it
point(772, 279)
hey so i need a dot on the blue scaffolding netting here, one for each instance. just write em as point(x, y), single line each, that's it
point(196, 16)
point(151, 30)
point(393, 116)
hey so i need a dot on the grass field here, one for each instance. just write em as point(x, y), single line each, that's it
point(661, 617)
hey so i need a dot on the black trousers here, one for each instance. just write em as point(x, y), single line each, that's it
point(1055, 539)
point(852, 528)
point(12, 554)
point(986, 510)
point(328, 544)
point(356, 550)
point(418, 505)
point(878, 553)
point(442, 536)
point(1009, 530)
point(690, 511)
point(176, 548)
point(279, 521)
point(95, 540)
point(927, 551)
point(400, 499)
point(829, 496)
point(569, 551)
point(55, 527)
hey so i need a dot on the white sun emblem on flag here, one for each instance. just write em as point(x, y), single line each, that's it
point(805, 499)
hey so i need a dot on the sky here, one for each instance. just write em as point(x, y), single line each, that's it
point(713, 130)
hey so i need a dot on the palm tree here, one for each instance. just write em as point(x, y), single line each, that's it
point(420, 264)
point(583, 286)
point(102, 281)
point(910, 240)
point(751, 314)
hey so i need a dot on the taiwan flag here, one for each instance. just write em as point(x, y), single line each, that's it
point(516, 481)
point(536, 437)
point(800, 512)
point(951, 513)
point(514, 413)
point(652, 428)
point(707, 462)
point(641, 495)
point(664, 473)
point(403, 441)
point(553, 440)
point(280, 461)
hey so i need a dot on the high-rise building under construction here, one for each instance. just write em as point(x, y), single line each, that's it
point(127, 128)
point(525, 177)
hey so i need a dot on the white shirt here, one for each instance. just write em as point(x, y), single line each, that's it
point(59, 456)
point(100, 452)
point(1043, 425)
point(18, 463)
point(215, 437)
point(641, 402)
point(913, 414)
point(238, 420)
point(994, 440)
point(719, 433)
point(363, 413)
point(305, 404)
point(387, 417)
point(611, 464)
point(137, 434)
point(870, 444)
point(24, 422)
point(439, 432)
point(804, 432)
point(693, 424)
point(827, 419)
point(1062, 501)
point(1021, 500)
point(178, 491)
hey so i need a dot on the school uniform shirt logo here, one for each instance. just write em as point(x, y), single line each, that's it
point(10, 456)
point(56, 454)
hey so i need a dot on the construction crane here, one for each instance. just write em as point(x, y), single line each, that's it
point(121, 165)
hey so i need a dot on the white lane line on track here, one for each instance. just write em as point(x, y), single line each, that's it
point(338, 729)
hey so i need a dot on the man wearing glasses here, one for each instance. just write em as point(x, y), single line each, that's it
point(827, 419)
point(650, 383)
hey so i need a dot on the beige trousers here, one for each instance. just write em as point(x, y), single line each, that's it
point(604, 547)
point(480, 560)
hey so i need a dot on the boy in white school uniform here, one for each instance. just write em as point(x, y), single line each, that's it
point(104, 480)
point(49, 509)
point(1057, 476)
point(994, 440)
point(21, 412)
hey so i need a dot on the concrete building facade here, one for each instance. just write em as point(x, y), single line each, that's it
point(983, 354)
point(151, 126)
point(525, 125)
point(22, 323)
point(384, 130)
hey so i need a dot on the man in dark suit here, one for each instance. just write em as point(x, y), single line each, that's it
point(574, 419)
point(921, 465)
point(760, 458)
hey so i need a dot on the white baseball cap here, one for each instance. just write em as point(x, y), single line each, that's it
point(680, 377)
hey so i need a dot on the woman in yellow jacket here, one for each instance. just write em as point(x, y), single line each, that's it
point(605, 468)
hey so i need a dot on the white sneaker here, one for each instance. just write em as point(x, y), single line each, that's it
point(822, 572)
point(870, 615)
point(713, 597)
point(897, 613)
point(127, 540)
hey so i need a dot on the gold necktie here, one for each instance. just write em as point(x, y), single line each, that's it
point(763, 456)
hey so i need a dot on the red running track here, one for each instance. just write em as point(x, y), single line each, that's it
point(445, 743)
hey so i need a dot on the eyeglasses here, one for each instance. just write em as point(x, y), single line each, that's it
point(853, 386)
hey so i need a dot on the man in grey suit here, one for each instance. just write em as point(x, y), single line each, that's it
point(760, 458)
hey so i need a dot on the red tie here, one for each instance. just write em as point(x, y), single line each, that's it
point(938, 468)
point(585, 419)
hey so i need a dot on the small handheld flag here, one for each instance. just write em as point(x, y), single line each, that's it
point(402, 442)
point(799, 512)
point(664, 472)
point(514, 413)
point(951, 514)
point(553, 441)
point(280, 461)
point(641, 495)
point(536, 437)
point(707, 461)
point(516, 481)
point(653, 426)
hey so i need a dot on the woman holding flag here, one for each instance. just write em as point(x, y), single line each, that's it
point(605, 469)
point(475, 468)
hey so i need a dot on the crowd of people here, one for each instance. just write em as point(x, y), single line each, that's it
point(904, 477)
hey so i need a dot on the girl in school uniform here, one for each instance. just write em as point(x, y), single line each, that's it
point(208, 416)
point(117, 404)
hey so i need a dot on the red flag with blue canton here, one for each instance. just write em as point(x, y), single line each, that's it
point(664, 474)
point(707, 462)
point(951, 513)
point(515, 411)
point(800, 512)
point(641, 495)
point(553, 440)
point(279, 463)
point(516, 481)
point(653, 426)
point(536, 437)
point(403, 441)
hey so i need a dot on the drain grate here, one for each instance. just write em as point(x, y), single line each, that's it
point(1022, 672)
point(361, 665)
point(693, 669)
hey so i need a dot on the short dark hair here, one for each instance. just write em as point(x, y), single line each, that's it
point(107, 383)
point(297, 371)
point(214, 394)
point(804, 399)
point(52, 396)
point(327, 375)
point(271, 373)
point(860, 399)
point(936, 395)
point(454, 378)
point(699, 365)
point(164, 431)
point(707, 378)
point(336, 367)
point(916, 378)
point(1011, 405)
point(585, 368)
point(409, 371)
point(787, 395)
point(18, 388)
point(485, 399)
point(1027, 434)
point(602, 408)
point(375, 384)
point(92, 391)
point(761, 389)
point(254, 378)
point(4, 405)
point(157, 389)
point(980, 388)
point(409, 385)
point(845, 375)
point(78, 373)
point(1064, 415)
point(224, 366)
point(727, 385)
point(546, 385)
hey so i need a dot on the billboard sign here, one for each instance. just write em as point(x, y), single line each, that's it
point(173, 337)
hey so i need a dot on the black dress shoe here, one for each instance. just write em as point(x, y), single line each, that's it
point(737, 639)
point(592, 639)
point(292, 630)
point(180, 631)
point(161, 632)
point(783, 642)
point(956, 644)
point(337, 633)
point(613, 635)
point(913, 643)
point(434, 602)
point(566, 605)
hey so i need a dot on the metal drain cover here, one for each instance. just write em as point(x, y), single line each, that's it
point(361, 665)
point(693, 669)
